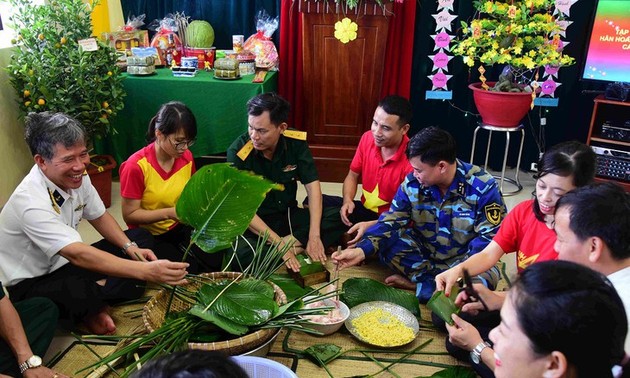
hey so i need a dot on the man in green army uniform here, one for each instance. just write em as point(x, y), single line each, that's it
point(26, 330)
point(282, 155)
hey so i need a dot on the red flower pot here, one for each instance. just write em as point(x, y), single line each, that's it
point(502, 109)
point(100, 171)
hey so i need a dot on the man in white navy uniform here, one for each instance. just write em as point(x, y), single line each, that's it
point(42, 253)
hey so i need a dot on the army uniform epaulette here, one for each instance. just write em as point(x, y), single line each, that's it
point(295, 134)
point(244, 152)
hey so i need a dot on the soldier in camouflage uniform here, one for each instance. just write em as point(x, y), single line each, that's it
point(444, 212)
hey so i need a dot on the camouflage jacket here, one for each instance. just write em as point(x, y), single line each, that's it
point(462, 222)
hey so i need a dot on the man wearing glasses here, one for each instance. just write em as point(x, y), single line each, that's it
point(42, 253)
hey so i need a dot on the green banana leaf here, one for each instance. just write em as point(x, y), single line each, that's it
point(237, 303)
point(222, 322)
point(443, 306)
point(311, 267)
point(360, 290)
point(291, 288)
point(218, 202)
point(258, 286)
point(292, 306)
point(321, 354)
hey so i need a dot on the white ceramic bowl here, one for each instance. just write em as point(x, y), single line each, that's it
point(325, 327)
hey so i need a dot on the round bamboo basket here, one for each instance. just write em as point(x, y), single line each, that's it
point(155, 309)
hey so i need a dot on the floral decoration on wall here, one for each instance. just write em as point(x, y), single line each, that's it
point(346, 30)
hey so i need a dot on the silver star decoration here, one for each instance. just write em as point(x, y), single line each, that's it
point(445, 4)
point(443, 20)
point(564, 7)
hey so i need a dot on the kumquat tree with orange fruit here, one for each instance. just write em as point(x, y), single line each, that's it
point(56, 66)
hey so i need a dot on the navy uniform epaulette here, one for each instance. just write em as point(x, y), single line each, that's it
point(56, 200)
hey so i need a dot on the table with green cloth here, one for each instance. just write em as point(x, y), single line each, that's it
point(218, 105)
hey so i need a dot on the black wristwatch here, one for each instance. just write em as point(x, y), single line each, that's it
point(32, 362)
point(475, 354)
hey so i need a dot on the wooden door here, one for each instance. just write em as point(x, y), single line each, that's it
point(342, 82)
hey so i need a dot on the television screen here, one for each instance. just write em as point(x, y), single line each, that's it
point(608, 53)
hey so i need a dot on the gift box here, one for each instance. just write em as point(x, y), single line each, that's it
point(226, 64)
point(141, 52)
point(126, 40)
point(203, 56)
point(246, 63)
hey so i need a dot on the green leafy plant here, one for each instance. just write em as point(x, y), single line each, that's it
point(521, 34)
point(51, 72)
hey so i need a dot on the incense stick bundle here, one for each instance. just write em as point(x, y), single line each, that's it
point(181, 21)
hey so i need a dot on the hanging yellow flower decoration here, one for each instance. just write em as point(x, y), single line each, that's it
point(346, 30)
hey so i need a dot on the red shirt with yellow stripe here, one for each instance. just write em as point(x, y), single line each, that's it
point(142, 178)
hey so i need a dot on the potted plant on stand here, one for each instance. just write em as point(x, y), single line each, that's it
point(57, 67)
point(523, 36)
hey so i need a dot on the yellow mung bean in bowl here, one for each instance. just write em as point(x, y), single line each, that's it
point(382, 324)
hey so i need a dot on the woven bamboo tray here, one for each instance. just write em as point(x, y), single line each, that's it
point(155, 309)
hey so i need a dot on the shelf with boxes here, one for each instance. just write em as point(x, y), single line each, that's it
point(609, 136)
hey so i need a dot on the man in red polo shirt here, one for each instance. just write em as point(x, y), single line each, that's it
point(381, 165)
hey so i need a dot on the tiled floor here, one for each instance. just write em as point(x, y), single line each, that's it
point(90, 235)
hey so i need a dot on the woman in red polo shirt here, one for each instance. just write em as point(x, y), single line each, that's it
point(152, 180)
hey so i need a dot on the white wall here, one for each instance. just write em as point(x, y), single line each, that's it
point(15, 158)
